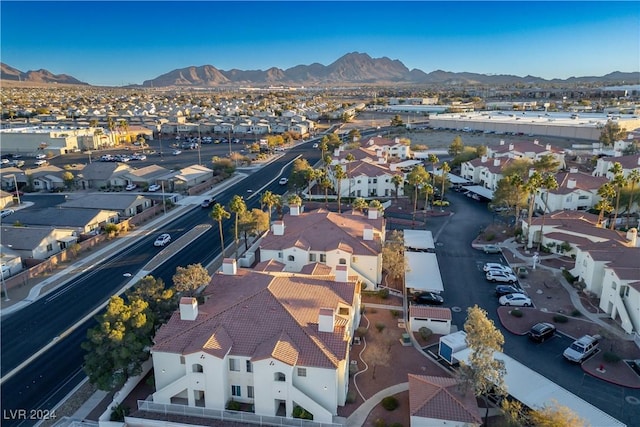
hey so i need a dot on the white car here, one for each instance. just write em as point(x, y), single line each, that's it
point(500, 276)
point(283, 181)
point(162, 240)
point(5, 212)
point(131, 187)
point(315, 145)
point(518, 300)
point(41, 156)
point(154, 187)
point(40, 162)
point(176, 152)
point(497, 266)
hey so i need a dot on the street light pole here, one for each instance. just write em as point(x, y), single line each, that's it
point(4, 286)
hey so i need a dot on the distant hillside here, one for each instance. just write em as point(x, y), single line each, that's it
point(8, 73)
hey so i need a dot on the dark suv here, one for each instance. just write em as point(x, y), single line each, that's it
point(541, 331)
point(427, 298)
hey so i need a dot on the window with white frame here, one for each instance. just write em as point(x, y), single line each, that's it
point(236, 390)
point(250, 394)
point(233, 365)
point(312, 257)
point(342, 261)
point(280, 255)
point(291, 258)
point(323, 257)
point(249, 366)
point(302, 372)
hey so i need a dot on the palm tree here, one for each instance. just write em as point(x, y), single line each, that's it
point(428, 191)
point(349, 158)
point(633, 178)
point(359, 204)
point(397, 181)
point(294, 200)
point(93, 123)
point(237, 206)
point(619, 182)
point(124, 126)
point(111, 125)
point(445, 170)
point(326, 184)
point(606, 193)
point(268, 199)
point(434, 160)
point(531, 186)
point(550, 183)
point(339, 174)
point(219, 214)
point(375, 204)
point(517, 183)
point(416, 178)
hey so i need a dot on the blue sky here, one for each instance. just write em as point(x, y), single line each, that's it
point(118, 42)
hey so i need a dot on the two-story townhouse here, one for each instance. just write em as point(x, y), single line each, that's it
point(348, 239)
point(272, 340)
point(370, 180)
point(610, 271)
point(485, 171)
point(576, 191)
point(628, 163)
point(527, 150)
point(392, 147)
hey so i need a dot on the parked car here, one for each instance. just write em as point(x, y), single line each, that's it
point(283, 181)
point(6, 212)
point(541, 331)
point(428, 298)
point(506, 290)
point(496, 266)
point(518, 300)
point(207, 202)
point(492, 249)
point(582, 348)
point(131, 187)
point(138, 157)
point(176, 152)
point(154, 187)
point(41, 156)
point(500, 276)
point(162, 240)
point(39, 163)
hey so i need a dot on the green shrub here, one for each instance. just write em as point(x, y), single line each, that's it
point(383, 293)
point(119, 412)
point(232, 405)
point(560, 318)
point(380, 326)
point(300, 412)
point(576, 313)
point(517, 312)
point(390, 403)
point(570, 278)
point(395, 314)
point(361, 331)
point(611, 357)
point(489, 237)
point(425, 332)
point(351, 396)
point(379, 423)
point(362, 309)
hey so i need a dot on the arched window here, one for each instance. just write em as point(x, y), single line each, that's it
point(279, 376)
point(342, 261)
point(291, 258)
point(196, 367)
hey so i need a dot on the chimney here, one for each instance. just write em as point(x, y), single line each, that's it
point(496, 162)
point(188, 308)
point(573, 170)
point(229, 266)
point(511, 146)
point(571, 183)
point(484, 158)
point(535, 141)
point(502, 142)
point(632, 237)
point(277, 228)
point(547, 147)
point(326, 320)
point(639, 160)
point(336, 151)
point(373, 213)
point(379, 152)
point(382, 160)
point(393, 167)
point(295, 210)
point(342, 273)
point(397, 140)
point(367, 233)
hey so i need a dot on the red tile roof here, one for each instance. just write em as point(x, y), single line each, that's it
point(430, 312)
point(583, 181)
point(440, 398)
point(323, 231)
point(260, 315)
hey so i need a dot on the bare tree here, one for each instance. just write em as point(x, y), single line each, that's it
point(377, 355)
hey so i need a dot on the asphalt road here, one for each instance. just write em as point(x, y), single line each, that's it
point(465, 286)
point(53, 374)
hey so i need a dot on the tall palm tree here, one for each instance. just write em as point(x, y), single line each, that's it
point(550, 183)
point(633, 178)
point(397, 181)
point(339, 174)
point(417, 177)
point(532, 186)
point(111, 125)
point(237, 206)
point(434, 160)
point(326, 184)
point(349, 158)
point(606, 193)
point(268, 199)
point(619, 182)
point(219, 214)
point(445, 170)
point(517, 183)
point(124, 127)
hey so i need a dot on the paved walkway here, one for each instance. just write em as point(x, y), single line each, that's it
point(360, 415)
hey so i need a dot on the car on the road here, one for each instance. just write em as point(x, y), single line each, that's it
point(500, 276)
point(176, 152)
point(41, 156)
point(315, 145)
point(139, 157)
point(39, 163)
point(162, 239)
point(427, 298)
point(541, 331)
point(506, 290)
point(154, 187)
point(497, 267)
point(283, 181)
point(582, 348)
point(6, 212)
point(518, 300)
point(492, 249)
point(207, 203)
point(131, 187)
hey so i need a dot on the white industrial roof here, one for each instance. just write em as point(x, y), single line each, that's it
point(418, 239)
point(424, 272)
point(535, 391)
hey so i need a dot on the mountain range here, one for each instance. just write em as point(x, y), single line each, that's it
point(352, 68)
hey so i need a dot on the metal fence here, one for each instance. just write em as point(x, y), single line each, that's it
point(226, 415)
